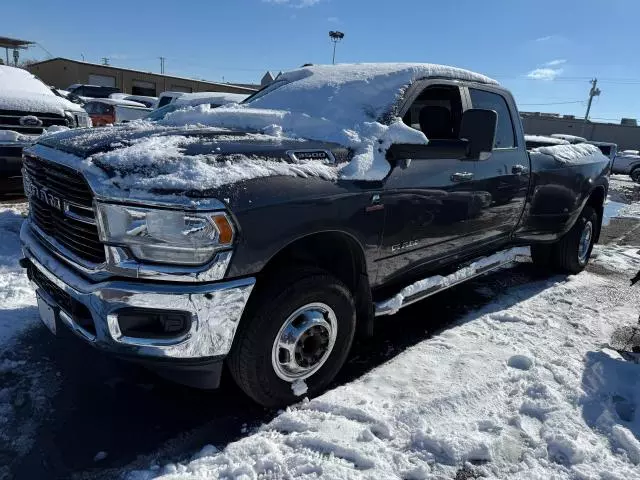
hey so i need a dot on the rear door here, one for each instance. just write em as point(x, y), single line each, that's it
point(505, 174)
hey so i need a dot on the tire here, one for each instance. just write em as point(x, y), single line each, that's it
point(255, 361)
point(635, 174)
point(567, 255)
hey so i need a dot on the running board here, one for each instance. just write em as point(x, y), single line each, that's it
point(431, 285)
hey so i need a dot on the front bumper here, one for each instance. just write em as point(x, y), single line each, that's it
point(215, 308)
point(11, 167)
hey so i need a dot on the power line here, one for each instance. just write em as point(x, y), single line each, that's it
point(551, 103)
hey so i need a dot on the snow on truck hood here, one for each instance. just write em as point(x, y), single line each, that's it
point(20, 90)
point(354, 106)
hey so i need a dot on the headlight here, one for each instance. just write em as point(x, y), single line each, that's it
point(75, 119)
point(165, 236)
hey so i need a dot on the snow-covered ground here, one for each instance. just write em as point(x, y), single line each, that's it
point(15, 291)
point(524, 388)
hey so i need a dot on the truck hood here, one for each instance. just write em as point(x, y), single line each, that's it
point(115, 143)
point(36, 102)
point(147, 161)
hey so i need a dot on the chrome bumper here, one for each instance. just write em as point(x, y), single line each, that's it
point(215, 308)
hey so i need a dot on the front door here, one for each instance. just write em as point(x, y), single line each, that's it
point(430, 204)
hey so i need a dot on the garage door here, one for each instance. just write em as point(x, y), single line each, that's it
point(180, 88)
point(139, 87)
point(102, 80)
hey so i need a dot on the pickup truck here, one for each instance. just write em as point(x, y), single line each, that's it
point(266, 235)
point(28, 108)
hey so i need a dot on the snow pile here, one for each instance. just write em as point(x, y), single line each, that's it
point(161, 162)
point(520, 389)
point(571, 154)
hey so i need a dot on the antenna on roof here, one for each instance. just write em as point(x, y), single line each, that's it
point(105, 61)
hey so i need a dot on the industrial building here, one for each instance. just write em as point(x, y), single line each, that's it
point(625, 134)
point(62, 72)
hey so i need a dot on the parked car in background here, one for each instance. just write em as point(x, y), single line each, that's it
point(608, 149)
point(91, 91)
point(149, 102)
point(569, 138)
point(166, 98)
point(269, 252)
point(213, 99)
point(534, 141)
point(109, 111)
point(28, 108)
point(627, 163)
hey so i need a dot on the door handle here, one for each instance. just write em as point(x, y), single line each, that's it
point(461, 177)
point(518, 169)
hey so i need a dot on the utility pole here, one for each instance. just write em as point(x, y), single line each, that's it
point(162, 59)
point(105, 61)
point(594, 92)
point(335, 38)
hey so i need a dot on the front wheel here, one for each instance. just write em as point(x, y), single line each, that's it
point(572, 252)
point(635, 174)
point(294, 338)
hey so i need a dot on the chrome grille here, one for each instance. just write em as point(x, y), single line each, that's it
point(10, 120)
point(60, 204)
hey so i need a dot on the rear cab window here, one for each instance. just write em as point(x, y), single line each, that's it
point(505, 133)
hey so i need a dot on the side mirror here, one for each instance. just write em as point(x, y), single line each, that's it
point(478, 127)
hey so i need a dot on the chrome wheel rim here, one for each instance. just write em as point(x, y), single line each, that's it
point(585, 243)
point(305, 342)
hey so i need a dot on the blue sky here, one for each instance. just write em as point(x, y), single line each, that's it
point(544, 51)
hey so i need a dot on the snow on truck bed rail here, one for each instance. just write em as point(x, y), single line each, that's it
point(573, 153)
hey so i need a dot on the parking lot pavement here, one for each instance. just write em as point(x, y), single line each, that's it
point(80, 414)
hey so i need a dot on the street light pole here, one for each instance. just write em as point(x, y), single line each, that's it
point(335, 37)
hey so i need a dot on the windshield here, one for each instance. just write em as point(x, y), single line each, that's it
point(264, 91)
point(161, 112)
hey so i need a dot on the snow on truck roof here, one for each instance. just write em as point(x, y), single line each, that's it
point(341, 92)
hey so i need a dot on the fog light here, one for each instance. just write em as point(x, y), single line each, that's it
point(154, 324)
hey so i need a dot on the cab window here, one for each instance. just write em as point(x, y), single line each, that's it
point(437, 112)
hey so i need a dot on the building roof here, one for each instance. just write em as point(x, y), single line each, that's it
point(6, 42)
point(249, 90)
